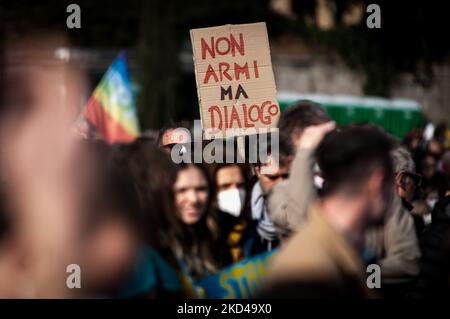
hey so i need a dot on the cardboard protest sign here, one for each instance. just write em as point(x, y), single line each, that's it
point(235, 81)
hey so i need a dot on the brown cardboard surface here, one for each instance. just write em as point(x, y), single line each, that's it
point(235, 56)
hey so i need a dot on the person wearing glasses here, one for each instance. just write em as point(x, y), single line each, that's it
point(407, 182)
point(264, 236)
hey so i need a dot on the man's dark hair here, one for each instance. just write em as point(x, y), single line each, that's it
point(347, 157)
point(265, 151)
point(295, 119)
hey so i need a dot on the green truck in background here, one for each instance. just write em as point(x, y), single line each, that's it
point(397, 116)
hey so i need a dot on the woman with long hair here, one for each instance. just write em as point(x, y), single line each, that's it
point(197, 246)
point(176, 201)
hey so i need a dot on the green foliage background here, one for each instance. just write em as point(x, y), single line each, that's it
point(412, 38)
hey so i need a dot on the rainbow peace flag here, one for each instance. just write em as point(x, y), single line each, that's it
point(111, 108)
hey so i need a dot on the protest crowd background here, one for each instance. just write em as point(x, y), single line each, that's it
point(93, 190)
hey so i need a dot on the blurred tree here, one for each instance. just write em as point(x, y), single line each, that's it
point(411, 39)
point(158, 50)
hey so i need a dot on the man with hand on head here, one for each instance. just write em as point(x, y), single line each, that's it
point(324, 258)
point(394, 245)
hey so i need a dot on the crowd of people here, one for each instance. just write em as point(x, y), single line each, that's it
point(139, 225)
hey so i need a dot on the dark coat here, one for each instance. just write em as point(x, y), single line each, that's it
point(434, 277)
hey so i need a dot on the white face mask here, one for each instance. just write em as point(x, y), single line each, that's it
point(231, 201)
point(318, 181)
point(427, 219)
point(431, 203)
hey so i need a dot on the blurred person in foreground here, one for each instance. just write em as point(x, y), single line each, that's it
point(38, 168)
point(323, 259)
point(394, 246)
point(65, 201)
point(111, 223)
